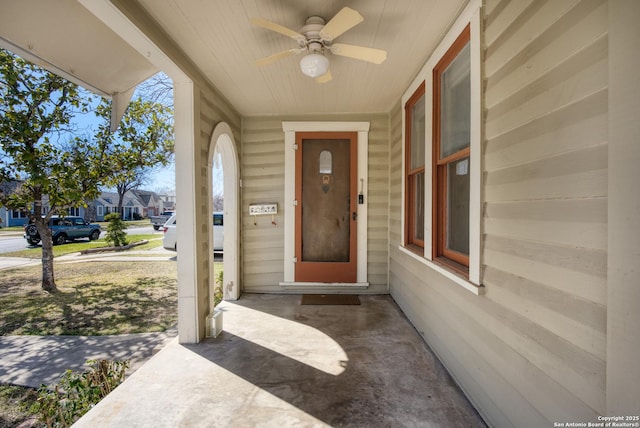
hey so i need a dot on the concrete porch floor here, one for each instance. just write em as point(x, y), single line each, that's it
point(281, 364)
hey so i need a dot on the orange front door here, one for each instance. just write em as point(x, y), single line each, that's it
point(326, 211)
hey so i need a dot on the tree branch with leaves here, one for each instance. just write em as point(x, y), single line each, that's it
point(36, 113)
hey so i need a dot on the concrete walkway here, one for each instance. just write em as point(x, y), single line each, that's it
point(36, 360)
point(278, 363)
point(11, 262)
point(153, 255)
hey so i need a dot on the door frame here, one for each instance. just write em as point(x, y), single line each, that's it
point(290, 129)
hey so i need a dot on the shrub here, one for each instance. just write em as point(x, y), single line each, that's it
point(76, 394)
point(116, 235)
point(218, 293)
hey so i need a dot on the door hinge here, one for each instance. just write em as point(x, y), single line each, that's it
point(295, 147)
point(295, 202)
point(295, 260)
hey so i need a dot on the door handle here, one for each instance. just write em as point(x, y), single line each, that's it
point(354, 216)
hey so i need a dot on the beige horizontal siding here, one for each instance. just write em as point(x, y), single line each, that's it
point(263, 181)
point(546, 183)
point(579, 223)
point(532, 350)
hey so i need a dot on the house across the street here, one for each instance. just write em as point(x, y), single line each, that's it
point(136, 204)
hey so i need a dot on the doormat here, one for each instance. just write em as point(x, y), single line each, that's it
point(330, 299)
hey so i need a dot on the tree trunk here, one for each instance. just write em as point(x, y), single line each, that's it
point(120, 204)
point(48, 279)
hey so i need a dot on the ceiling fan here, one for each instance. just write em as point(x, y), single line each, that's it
point(316, 39)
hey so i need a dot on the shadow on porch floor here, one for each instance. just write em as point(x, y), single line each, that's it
point(278, 363)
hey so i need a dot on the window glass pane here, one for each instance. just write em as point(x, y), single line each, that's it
point(455, 117)
point(418, 206)
point(326, 166)
point(417, 133)
point(457, 238)
point(218, 220)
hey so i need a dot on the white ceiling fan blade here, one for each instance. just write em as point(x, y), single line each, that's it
point(273, 58)
point(344, 20)
point(376, 56)
point(326, 77)
point(278, 29)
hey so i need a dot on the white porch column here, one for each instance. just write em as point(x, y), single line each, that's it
point(187, 130)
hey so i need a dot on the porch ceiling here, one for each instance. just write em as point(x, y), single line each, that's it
point(218, 37)
point(65, 38)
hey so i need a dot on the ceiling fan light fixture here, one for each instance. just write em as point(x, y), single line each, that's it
point(314, 65)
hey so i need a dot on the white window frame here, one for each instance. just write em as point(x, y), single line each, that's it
point(100, 211)
point(470, 16)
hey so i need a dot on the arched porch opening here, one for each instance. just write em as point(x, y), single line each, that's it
point(223, 143)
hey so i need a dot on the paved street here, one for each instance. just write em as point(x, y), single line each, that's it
point(11, 241)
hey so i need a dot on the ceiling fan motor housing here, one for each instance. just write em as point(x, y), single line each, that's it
point(311, 31)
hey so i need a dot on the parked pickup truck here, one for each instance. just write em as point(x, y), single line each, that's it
point(157, 221)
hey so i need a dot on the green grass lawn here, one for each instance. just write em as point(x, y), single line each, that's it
point(94, 298)
point(155, 240)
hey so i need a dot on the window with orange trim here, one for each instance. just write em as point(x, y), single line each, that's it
point(414, 169)
point(451, 155)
